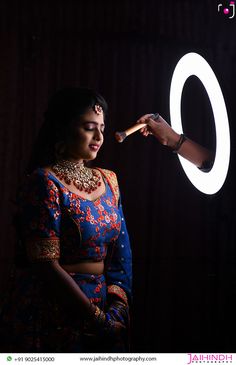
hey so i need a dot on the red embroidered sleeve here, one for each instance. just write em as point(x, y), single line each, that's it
point(45, 249)
point(40, 217)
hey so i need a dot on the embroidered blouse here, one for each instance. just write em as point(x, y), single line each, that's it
point(59, 224)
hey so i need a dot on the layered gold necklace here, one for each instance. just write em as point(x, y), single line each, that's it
point(82, 177)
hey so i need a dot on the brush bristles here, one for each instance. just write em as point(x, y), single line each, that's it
point(120, 136)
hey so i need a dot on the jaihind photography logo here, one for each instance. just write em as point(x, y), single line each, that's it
point(228, 10)
point(210, 359)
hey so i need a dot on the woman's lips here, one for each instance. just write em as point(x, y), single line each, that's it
point(94, 147)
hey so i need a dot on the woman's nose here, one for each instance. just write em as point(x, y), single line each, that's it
point(98, 135)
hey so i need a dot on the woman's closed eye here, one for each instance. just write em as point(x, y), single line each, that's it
point(92, 127)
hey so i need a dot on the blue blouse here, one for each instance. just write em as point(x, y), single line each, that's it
point(58, 224)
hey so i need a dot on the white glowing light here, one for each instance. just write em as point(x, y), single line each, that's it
point(193, 64)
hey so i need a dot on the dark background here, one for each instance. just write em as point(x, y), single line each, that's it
point(183, 241)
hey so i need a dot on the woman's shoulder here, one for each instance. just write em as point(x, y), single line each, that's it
point(111, 178)
point(39, 174)
point(109, 175)
point(40, 178)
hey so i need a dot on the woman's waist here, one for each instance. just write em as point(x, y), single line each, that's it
point(85, 267)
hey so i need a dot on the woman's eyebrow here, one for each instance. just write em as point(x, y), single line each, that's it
point(93, 122)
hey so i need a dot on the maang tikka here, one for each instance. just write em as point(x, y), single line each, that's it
point(98, 109)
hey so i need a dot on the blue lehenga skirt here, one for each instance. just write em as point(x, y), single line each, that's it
point(32, 320)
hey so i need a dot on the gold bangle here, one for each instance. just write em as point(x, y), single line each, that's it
point(99, 316)
point(97, 312)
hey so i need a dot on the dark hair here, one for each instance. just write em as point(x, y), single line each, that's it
point(65, 106)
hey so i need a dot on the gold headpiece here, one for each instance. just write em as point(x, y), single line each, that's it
point(98, 109)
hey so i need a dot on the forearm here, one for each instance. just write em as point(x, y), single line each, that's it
point(63, 287)
point(190, 150)
point(187, 148)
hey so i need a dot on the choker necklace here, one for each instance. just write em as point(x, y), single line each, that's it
point(80, 176)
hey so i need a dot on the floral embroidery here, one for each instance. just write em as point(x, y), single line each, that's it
point(112, 180)
point(57, 224)
point(86, 230)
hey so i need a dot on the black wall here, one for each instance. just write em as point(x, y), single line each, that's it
point(183, 241)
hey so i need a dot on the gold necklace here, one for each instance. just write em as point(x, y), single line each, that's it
point(80, 176)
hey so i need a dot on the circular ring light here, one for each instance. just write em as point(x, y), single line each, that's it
point(194, 64)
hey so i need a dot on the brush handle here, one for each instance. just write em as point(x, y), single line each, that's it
point(134, 128)
point(120, 136)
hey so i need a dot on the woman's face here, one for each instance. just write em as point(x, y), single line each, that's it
point(85, 137)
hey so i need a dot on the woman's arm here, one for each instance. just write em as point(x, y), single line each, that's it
point(73, 299)
point(184, 146)
point(61, 284)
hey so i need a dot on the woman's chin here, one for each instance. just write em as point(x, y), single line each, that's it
point(90, 157)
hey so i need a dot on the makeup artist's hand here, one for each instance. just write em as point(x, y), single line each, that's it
point(160, 129)
point(192, 151)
